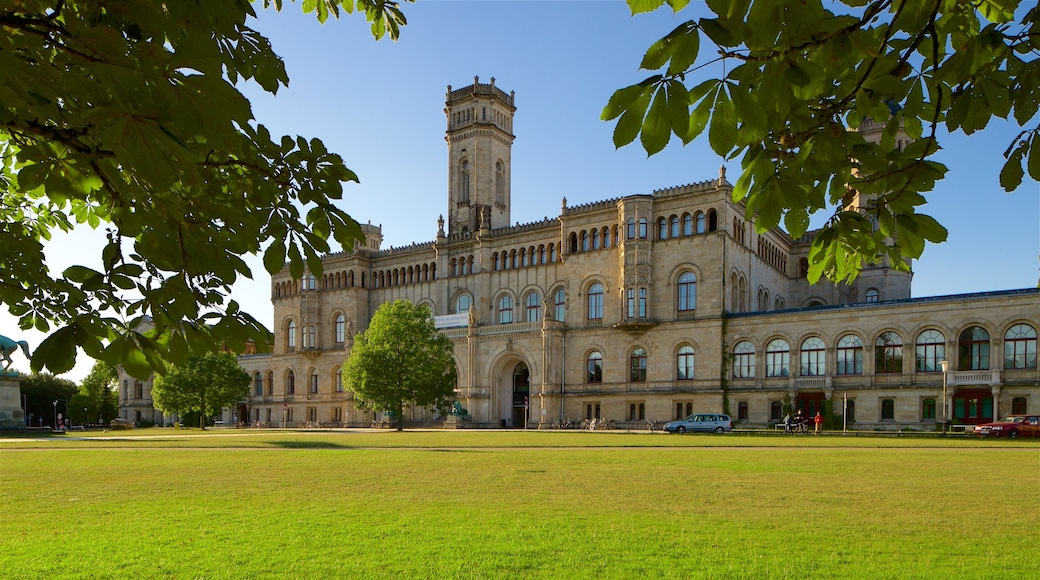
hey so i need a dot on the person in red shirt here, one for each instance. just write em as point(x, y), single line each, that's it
point(818, 419)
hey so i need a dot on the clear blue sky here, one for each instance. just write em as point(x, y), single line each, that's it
point(380, 105)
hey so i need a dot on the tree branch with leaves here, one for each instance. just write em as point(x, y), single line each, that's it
point(797, 80)
point(127, 116)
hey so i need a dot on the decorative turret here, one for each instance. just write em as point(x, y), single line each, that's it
point(480, 139)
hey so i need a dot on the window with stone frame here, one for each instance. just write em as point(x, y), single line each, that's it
point(637, 365)
point(744, 360)
point(850, 355)
point(595, 301)
point(594, 367)
point(778, 358)
point(534, 307)
point(929, 351)
point(888, 353)
point(973, 350)
point(559, 305)
point(685, 363)
point(813, 358)
point(687, 297)
point(1020, 347)
point(341, 329)
point(888, 409)
point(314, 381)
point(505, 309)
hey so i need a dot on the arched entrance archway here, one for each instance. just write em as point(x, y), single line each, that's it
point(521, 392)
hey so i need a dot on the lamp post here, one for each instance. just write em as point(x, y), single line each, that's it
point(946, 411)
point(84, 417)
point(55, 414)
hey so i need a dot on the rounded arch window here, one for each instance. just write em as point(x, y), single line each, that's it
point(637, 364)
point(463, 303)
point(505, 310)
point(687, 292)
point(595, 296)
point(744, 360)
point(813, 358)
point(778, 358)
point(684, 362)
point(594, 367)
point(533, 306)
point(973, 349)
point(1020, 347)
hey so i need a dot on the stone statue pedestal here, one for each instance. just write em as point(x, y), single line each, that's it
point(11, 414)
point(453, 422)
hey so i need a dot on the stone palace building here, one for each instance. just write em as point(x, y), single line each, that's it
point(649, 306)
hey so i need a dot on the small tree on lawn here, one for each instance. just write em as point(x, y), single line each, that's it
point(401, 358)
point(205, 383)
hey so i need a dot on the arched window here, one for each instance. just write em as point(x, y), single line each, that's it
point(462, 303)
point(523, 257)
point(595, 239)
point(584, 241)
point(596, 302)
point(594, 367)
point(290, 383)
point(505, 310)
point(662, 229)
point(713, 220)
point(931, 348)
point(270, 382)
point(338, 379)
point(552, 253)
point(534, 307)
point(675, 224)
point(642, 302)
point(258, 384)
point(642, 228)
point(888, 353)
point(631, 234)
point(744, 360)
point(341, 328)
point(973, 350)
point(1020, 347)
point(559, 304)
point(778, 358)
point(687, 292)
point(814, 358)
point(290, 334)
point(638, 365)
point(872, 295)
point(314, 381)
point(606, 237)
point(850, 355)
point(497, 261)
point(700, 223)
point(684, 362)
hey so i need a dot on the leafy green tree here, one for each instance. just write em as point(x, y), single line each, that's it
point(128, 116)
point(205, 383)
point(41, 390)
point(400, 359)
point(794, 79)
point(97, 393)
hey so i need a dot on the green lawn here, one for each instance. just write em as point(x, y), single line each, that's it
point(511, 504)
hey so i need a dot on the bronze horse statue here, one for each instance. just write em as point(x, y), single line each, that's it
point(7, 348)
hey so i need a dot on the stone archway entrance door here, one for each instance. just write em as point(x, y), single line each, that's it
point(521, 395)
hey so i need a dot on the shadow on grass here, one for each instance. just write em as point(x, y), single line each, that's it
point(310, 445)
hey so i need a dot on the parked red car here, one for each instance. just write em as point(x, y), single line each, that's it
point(1013, 426)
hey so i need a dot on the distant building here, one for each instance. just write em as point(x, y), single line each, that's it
point(648, 306)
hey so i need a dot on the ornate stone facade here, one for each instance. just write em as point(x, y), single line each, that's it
point(649, 306)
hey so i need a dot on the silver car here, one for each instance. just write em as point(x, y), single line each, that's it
point(706, 422)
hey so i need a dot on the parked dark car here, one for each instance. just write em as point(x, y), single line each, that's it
point(1012, 426)
point(705, 422)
